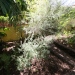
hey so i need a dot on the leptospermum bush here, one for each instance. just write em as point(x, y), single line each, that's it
point(45, 16)
point(37, 48)
point(43, 22)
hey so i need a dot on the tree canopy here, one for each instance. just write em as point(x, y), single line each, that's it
point(12, 8)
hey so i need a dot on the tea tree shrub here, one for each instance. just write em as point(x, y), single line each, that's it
point(44, 16)
point(37, 48)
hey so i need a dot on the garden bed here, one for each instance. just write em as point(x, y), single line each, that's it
point(50, 66)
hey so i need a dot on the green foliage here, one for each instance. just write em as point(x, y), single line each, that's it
point(40, 25)
point(71, 40)
point(66, 20)
point(47, 18)
point(70, 14)
point(3, 19)
point(9, 7)
point(5, 62)
point(43, 22)
point(31, 49)
point(22, 4)
point(13, 9)
point(5, 58)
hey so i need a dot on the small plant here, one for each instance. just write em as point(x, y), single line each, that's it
point(37, 48)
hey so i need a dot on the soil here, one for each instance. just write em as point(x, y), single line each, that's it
point(66, 43)
point(53, 65)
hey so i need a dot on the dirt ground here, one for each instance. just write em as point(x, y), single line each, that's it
point(50, 66)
